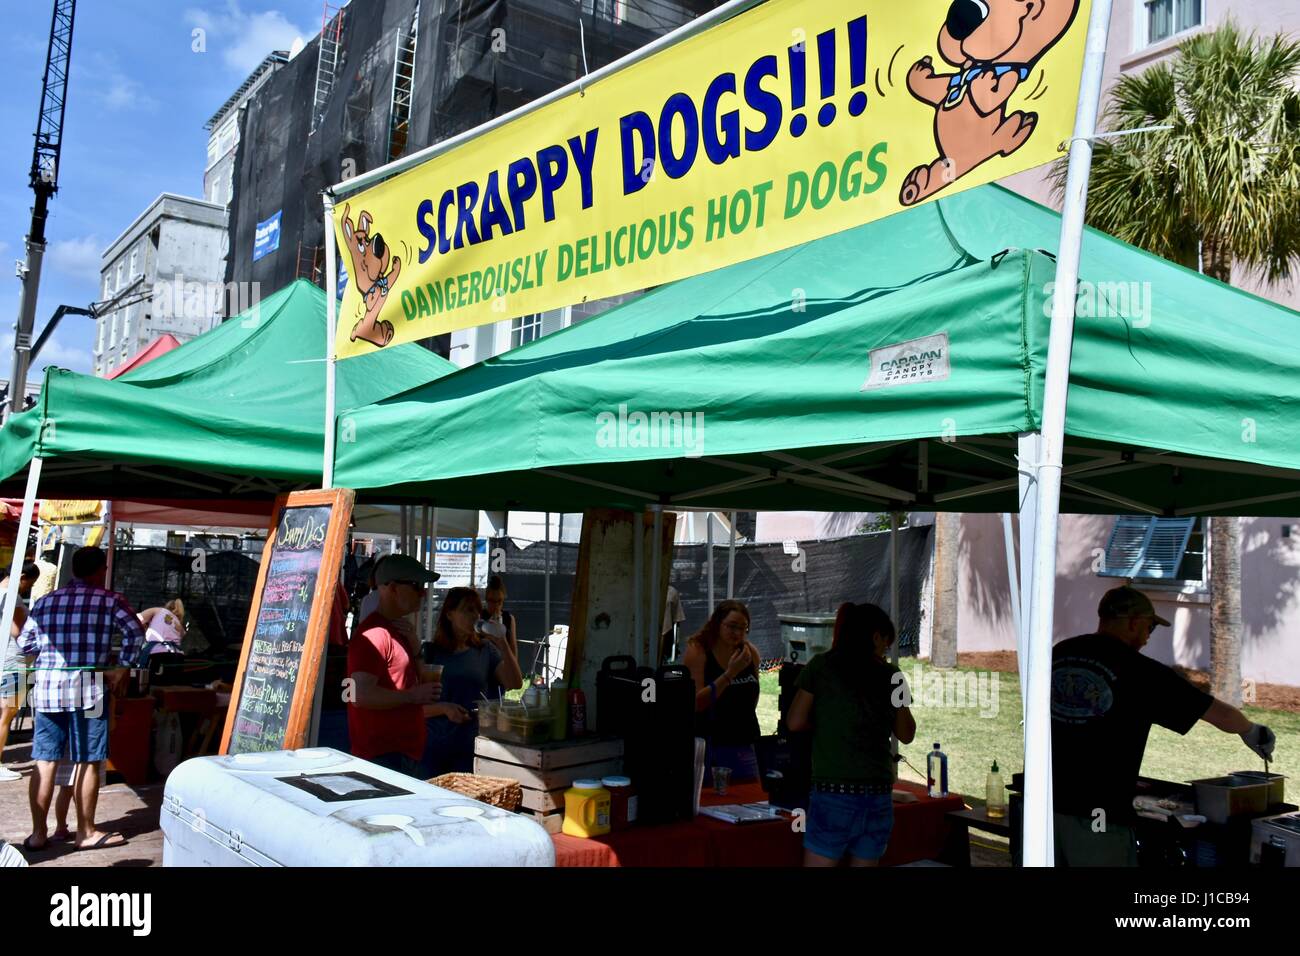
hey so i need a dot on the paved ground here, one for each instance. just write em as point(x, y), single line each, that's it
point(132, 811)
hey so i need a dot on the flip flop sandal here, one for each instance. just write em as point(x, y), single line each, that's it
point(103, 844)
point(27, 845)
point(60, 836)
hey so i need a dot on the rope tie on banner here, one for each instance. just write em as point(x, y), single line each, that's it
point(1065, 146)
point(582, 42)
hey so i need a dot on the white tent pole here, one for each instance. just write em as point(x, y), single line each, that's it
point(110, 530)
point(433, 566)
point(1038, 836)
point(655, 613)
point(1030, 448)
point(1013, 578)
point(708, 531)
point(426, 559)
point(546, 577)
point(20, 552)
point(638, 583)
point(403, 548)
point(893, 587)
point(731, 560)
point(331, 360)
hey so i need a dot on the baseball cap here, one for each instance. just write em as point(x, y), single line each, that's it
point(403, 567)
point(1127, 602)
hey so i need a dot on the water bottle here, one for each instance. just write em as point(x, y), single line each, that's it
point(937, 773)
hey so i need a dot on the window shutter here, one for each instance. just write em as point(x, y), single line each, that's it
point(1142, 547)
point(1164, 550)
point(1128, 540)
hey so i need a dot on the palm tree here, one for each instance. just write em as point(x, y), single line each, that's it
point(1221, 186)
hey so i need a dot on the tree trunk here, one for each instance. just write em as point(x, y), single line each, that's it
point(1225, 609)
point(943, 643)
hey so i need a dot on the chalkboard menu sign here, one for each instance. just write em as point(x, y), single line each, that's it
point(275, 687)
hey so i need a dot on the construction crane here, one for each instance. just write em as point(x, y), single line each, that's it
point(44, 183)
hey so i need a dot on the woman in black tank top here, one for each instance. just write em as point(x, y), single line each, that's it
point(725, 667)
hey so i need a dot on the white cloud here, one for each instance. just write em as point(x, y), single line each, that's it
point(58, 353)
point(244, 39)
point(77, 258)
point(102, 75)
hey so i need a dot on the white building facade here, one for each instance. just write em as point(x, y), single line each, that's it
point(165, 271)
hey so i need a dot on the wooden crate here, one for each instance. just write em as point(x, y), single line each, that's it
point(546, 771)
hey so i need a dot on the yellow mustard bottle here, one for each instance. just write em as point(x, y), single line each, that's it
point(586, 809)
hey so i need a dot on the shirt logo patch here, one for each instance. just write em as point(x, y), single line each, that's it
point(1080, 694)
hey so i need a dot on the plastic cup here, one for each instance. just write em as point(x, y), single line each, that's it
point(721, 777)
point(430, 673)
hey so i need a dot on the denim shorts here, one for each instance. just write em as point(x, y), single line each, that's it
point(70, 735)
point(857, 824)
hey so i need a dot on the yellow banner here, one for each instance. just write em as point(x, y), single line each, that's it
point(788, 122)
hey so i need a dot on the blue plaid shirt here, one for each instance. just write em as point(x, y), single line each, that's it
point(70, 631)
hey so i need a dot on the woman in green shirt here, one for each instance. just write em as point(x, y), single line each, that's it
point(853, 700)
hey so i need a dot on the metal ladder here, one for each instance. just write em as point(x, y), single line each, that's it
point(331, 35)
point(399, 121)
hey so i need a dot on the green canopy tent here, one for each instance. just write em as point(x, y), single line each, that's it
point(238, 412)
point(748, 388)
point(786, 383)
point(234, 416)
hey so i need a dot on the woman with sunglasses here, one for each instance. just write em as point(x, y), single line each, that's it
point(725, 667)
point(472, 664)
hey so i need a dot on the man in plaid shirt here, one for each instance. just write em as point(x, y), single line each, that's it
point(70, 631)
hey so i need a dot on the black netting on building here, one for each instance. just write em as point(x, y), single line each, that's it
point(474, 60)
point(844, 569)
point(217, 593)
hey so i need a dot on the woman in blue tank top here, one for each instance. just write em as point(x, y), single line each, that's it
point(725, 667)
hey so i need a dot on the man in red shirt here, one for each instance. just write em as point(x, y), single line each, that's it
point(387, 699)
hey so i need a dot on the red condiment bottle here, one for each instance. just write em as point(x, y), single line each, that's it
point(577, 712)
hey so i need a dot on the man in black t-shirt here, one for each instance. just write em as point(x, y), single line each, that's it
point(1105, 697)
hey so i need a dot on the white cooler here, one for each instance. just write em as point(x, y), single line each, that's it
point(320, 807)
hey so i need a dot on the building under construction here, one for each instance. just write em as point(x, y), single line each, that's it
point(389, 77)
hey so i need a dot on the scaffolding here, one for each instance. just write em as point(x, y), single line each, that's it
point(399, 124)
point(327, 61)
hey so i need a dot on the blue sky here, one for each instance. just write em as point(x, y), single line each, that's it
point(138, 97)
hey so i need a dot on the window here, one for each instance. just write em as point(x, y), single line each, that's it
point(525, 329)
point(108, 286)
point(612, 10)
point(99, 342)
point(112, 332)
point(126, 323)
point(121, 274)
point(1155, 549)
point(135, 262)
point(1166, 18)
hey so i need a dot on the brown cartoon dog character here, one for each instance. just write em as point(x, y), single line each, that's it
point(373, 276)
point(995, 45)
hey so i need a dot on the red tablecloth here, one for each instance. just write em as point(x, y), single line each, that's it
point(921, 831)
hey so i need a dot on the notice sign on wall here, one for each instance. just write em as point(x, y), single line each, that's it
point(462, 562)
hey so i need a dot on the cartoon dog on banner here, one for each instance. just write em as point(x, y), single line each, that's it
point(372, 273)
point(995, 45)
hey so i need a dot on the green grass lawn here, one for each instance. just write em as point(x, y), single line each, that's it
point(975, 735)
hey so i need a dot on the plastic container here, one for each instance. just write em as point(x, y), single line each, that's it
point(995, 805)
point(515, 724)
point(320, 807)
point(936, 769)
point(586, 809)
point(622, 801)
